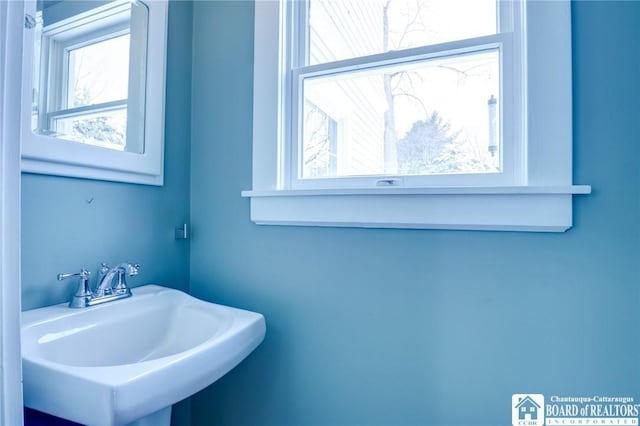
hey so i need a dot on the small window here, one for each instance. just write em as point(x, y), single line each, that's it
point(413, 113)
point(93, 90)
point(86, 63)
point(94, 110)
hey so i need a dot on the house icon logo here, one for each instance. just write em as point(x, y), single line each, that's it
point(527, 409)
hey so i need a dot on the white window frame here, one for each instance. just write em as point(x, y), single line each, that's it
point(506, 41)
point(45, 154)
point(535, 196)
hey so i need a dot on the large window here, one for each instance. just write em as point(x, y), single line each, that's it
point(416, 82)
point(413, 113)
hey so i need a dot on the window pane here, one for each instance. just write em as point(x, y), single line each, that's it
point(342, 29)
point(107, 129)
point(99, 72)
point(319, 154)
point(420, 118)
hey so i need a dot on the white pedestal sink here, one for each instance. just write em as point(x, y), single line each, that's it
point(128, 361)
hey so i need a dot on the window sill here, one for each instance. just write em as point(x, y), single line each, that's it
point(516, 208)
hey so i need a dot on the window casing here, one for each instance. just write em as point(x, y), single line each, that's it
point(142, 159)
point(531, 115)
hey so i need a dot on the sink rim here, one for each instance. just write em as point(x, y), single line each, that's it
point(54, 313)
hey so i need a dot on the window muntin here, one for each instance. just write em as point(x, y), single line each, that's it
point(483, 137)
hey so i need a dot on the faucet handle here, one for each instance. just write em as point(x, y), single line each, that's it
point(83, 274)
point(128, 269)
point(82, 296)
point(133, 269)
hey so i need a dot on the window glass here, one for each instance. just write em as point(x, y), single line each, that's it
point(436, 116)
point(98, 72)
point(107, 129)
point(319, 156)
point(342, 29)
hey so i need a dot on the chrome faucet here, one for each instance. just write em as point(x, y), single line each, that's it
point(107, 287)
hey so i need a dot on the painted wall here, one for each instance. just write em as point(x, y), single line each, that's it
point(382, 327)
point(72, 223)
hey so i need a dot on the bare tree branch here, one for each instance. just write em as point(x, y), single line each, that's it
point(411, 22)
point(415, 98)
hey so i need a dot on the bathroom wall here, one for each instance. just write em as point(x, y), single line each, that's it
point(410, 327)
point(72, 223)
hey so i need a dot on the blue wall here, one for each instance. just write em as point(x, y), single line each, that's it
point(370, 326)
point(61, 232)
point(383, 327)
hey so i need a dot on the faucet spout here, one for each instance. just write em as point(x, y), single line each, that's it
point(107, 285)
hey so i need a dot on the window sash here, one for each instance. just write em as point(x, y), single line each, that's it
point(508, 40)
point(86, 112)
point(68, 46)
point(59, 61)
point(61, 37)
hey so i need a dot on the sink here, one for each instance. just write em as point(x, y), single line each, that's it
point(128, 361)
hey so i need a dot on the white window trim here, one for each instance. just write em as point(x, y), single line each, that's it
point(11, 27)
point(541, 200)
point(48, 155)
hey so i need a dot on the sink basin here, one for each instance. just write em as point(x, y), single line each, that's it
point(130, 360)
